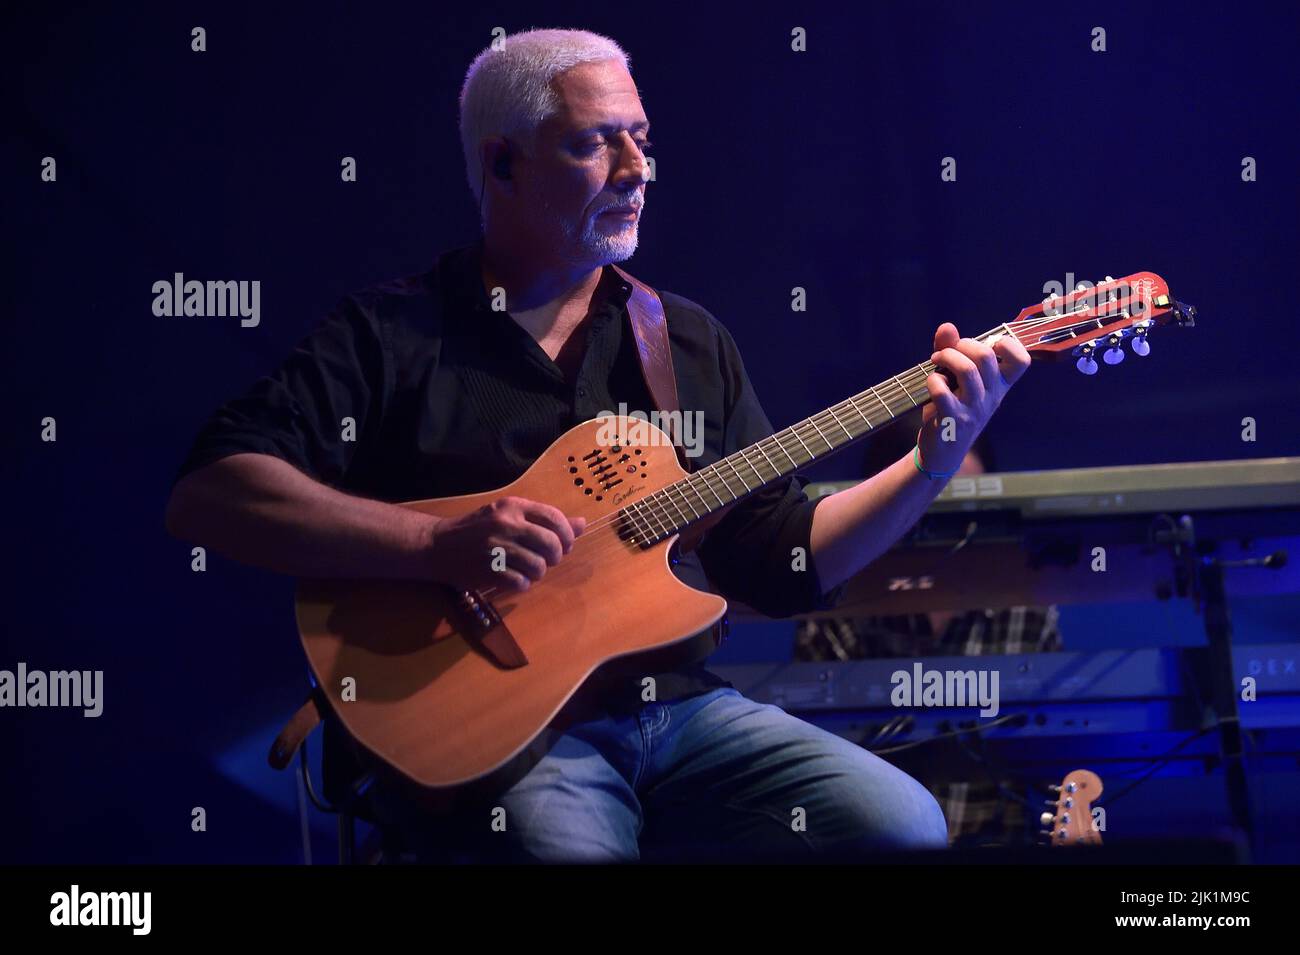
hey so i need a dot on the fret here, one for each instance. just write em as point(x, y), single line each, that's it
point(778, 443)
point(811, 456)
point(892, 416)
point(677, 484)
point(829, 446)
point(854, 403)
point(721, 477)
point(638, 530)
point(647, 520)
point(633, 524)
point(831, 412)
point(709, 484)
point(668, 498)
point(644, 504)
point(639, 525)
point(690, 480)
point(744, 456)
point(737, 473)
point(775, 470)
point(906, 392)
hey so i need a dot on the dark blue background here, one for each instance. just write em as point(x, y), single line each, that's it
point(775, 169)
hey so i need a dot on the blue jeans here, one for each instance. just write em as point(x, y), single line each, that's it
point(715, 770)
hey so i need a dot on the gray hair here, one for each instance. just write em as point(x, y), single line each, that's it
point(507, 90)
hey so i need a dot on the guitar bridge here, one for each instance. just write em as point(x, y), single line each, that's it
point(484, 627)
point(480, 613)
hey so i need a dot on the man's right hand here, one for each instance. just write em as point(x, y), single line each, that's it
point(531, 536)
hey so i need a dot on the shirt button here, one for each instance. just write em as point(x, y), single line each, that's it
point(582, 392)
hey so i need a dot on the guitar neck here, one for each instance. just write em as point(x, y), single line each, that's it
point(675, 507)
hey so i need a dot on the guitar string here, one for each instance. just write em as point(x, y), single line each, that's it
point(914, 377)
point(661, 516)
point(906, 383)
point(669, 524)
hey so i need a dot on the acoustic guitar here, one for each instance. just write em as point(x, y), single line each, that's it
point(457, 688)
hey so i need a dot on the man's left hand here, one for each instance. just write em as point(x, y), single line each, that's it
point(983, 374)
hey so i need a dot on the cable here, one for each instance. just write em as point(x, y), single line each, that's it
point(306, 778)
point(1160, 761)
point(890, 728)
point(1021, 717)
point(997, 772)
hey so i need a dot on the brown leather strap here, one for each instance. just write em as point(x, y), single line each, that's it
point(295, 731)
point(650, 329)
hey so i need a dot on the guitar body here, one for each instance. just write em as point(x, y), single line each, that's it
point(410, 679)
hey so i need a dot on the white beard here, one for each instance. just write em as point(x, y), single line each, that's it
point(595, 246)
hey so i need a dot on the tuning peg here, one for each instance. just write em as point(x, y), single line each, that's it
point(1110, 278)
point(1087, 363)
point(1114, 354)
point(1046, 819)
point(1141, 347)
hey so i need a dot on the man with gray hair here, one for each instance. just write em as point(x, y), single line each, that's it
point(451, 395)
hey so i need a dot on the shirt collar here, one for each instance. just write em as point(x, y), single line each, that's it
point(460, 274)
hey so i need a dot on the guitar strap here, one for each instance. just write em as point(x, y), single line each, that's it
point(650, 329)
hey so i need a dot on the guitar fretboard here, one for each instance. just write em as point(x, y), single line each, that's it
point(675, 507)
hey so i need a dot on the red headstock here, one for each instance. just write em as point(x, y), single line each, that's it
point(1088, 321)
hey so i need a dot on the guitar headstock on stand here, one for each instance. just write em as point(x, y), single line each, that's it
point(1071, 823)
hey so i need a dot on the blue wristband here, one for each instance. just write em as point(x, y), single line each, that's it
point(932, 475)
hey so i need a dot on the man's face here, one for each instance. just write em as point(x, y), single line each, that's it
point(581, 187)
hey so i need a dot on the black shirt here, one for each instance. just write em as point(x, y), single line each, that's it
point(450, 397)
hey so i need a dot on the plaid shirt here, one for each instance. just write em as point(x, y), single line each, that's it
point(974, 633)
point(979, 812)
